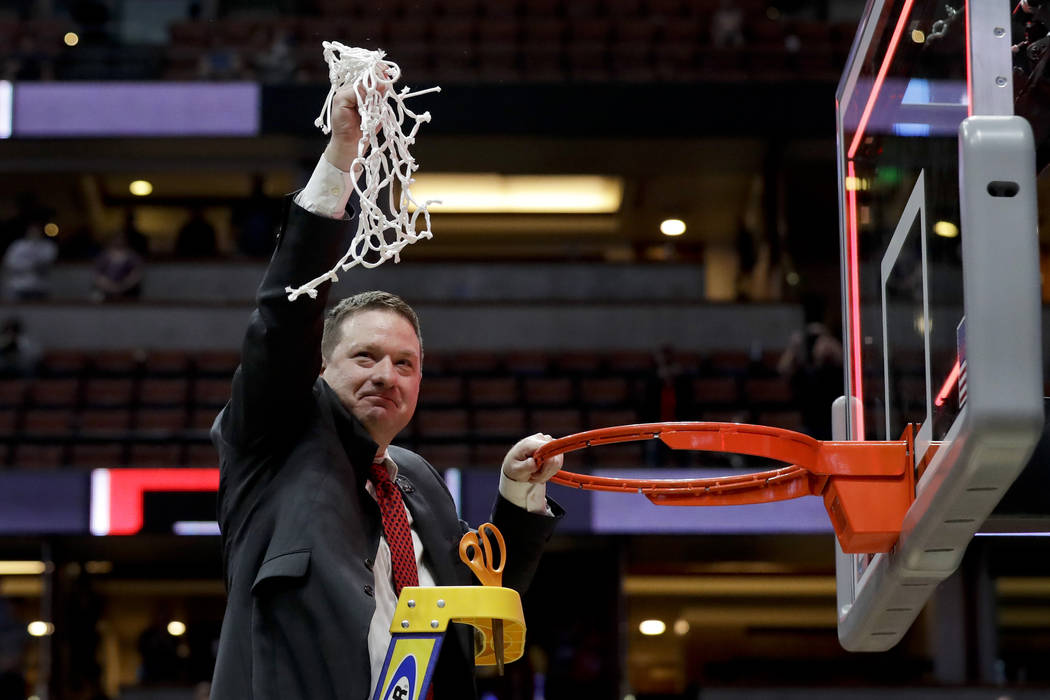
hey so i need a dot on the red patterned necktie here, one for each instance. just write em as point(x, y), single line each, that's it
point(395, 528)
point(398, 535)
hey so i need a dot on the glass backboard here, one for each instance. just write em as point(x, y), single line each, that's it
point(940, 286)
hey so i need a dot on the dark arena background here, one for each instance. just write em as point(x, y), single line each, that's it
point(642, 225)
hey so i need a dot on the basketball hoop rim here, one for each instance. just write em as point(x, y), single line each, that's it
point(811, 462)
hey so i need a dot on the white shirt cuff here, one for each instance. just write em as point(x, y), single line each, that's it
point(327, 192)
point(525, 494)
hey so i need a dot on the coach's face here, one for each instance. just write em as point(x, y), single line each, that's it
point(375, 370)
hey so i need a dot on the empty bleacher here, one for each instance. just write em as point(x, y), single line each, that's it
point(145, 408)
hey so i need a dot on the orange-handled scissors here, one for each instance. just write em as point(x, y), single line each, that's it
point(482, 562)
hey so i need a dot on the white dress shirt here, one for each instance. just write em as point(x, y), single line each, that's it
point(326, 194)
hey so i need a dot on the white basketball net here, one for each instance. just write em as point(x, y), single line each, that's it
point(382, 157)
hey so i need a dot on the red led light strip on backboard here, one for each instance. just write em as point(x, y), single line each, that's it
point(877, 85)
point(969, 73)
point(853, 263)
point(852, 257)
point(949, 385)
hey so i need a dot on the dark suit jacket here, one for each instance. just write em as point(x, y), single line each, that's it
point(299, 531)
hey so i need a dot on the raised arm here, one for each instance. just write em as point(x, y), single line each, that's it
point(281, 353)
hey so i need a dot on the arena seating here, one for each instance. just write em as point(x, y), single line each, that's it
point(140, 408)
point(553, 41)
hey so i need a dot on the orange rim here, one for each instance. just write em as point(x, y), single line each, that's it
point(811, 462)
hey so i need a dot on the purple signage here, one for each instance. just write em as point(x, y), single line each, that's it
point(44, 502)
point(114, 109)
point(631, 513)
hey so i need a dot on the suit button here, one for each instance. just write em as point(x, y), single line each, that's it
point(369, 564)
point(370, 591)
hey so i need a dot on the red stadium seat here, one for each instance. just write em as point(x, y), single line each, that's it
point(201, 455)
point(62, 362)
point(163, 392)
point(161, 419)
point(109, 392)
point(528, 362)
point(668, 8)
point(117, 362)
point(501, 31)
point(492, 391)
point(774, 390)
point(489, 456)
point(605, 418)
point(442, 423)
point(556, 421)
point(541, 63)
point(452, 32)
point(602, 391)
point(106, 420)
point(441, 391)
point(543, 31)
point(631, 361)
point(542, 8)
point(547, 391)
point(729, 361)
point(628, 455)
point(590, 30)
point(460, 8)
point(508, 422)
point(13, 392)
point(211, 392)
point(152, 455)
point(578, 362)
point(623, 8)
point(167, 362)
point(191, 34)
point(447, 456)
point(8, 421)
point(34, 456)
point(715, 391)
point(54, 392)
point(789, 420)
point(97, 455)
point(497, 62)
point(56, 422)
point(583, 9)
point(203, 418)
point(217, 362)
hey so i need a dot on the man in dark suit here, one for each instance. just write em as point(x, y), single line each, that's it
point(304, 447)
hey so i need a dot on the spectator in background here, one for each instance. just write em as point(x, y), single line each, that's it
point(19, 354)
point(727, 25)
point(136, 239)
point(27, 210)
point(118, 271)
point(220, 62)
point(163, 654)
point(255, 221)
point(12, 648)
point(277, 63)
point(196, 238)
point(28, 61)
point(813, 362)
point(12, 685)
point(78, 244)
point(27, 264)
point(669, 371)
